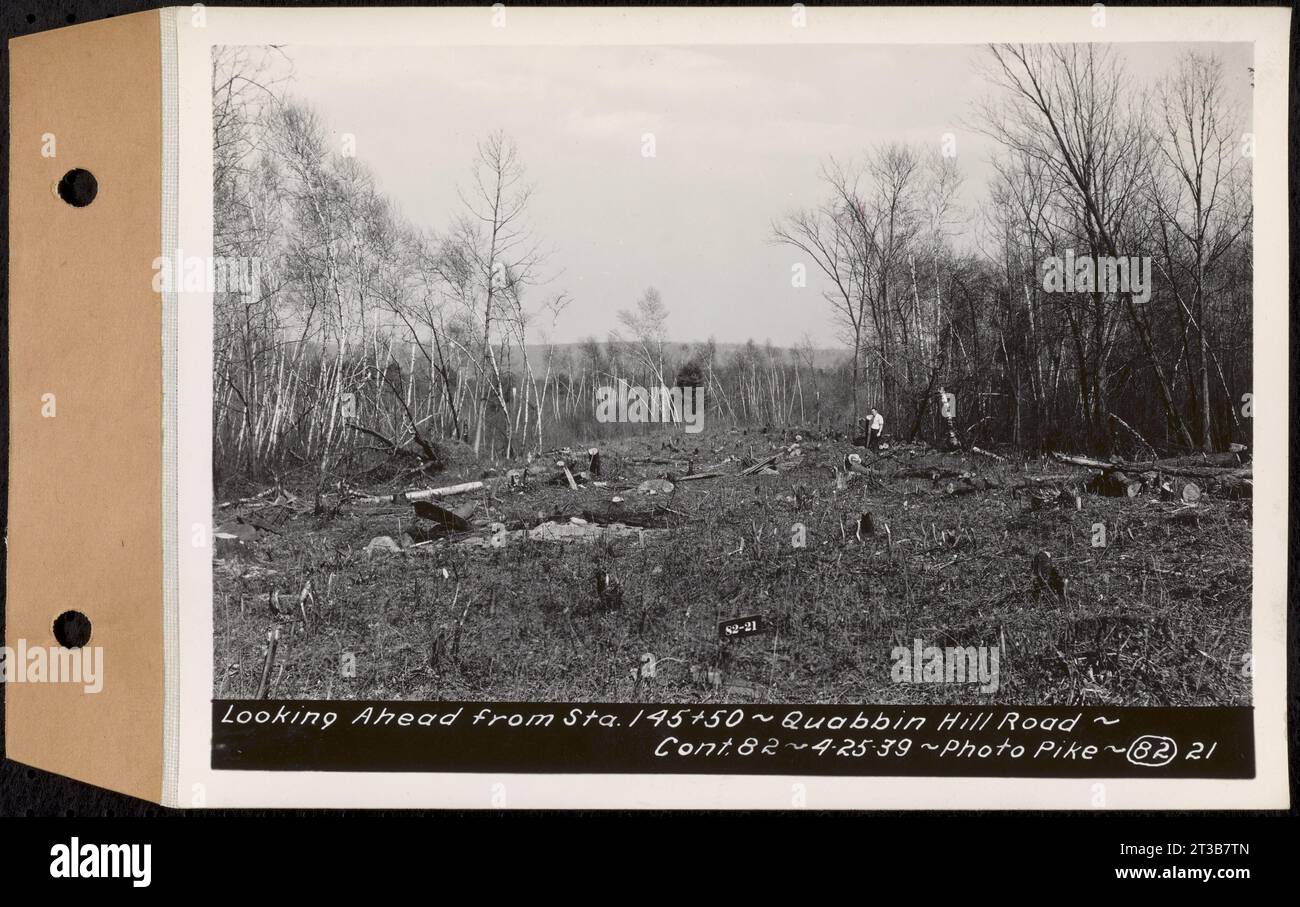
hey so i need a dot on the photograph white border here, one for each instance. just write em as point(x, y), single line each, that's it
point(1267, 28)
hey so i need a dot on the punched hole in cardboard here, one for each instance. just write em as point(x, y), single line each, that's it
point(78, 187)
point(72, 629)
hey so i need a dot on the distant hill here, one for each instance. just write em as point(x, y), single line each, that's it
point(678, 353)
point(822, 357)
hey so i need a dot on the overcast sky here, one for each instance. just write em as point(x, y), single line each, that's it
point(740, 133)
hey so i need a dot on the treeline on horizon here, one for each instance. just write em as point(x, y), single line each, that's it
point(440, 333)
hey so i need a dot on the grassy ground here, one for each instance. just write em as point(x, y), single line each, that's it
point(1159, 616)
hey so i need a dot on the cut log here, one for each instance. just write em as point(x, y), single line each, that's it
point(446, 519)
point(1175, 489)
point(1124, 485)
point(403, 497)
point(1115, 484)
point(1083, 461)
point(986, 453)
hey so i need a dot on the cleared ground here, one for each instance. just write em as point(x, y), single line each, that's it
point(1160, 615)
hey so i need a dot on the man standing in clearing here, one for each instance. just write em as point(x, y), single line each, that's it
point(875, 428)
point(948, 416)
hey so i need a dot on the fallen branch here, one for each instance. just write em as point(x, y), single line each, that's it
point(933, 473)
point(1173, 467)
point(1134, 432)
point(427, 454)
point(757, 466)
point(1048, 479)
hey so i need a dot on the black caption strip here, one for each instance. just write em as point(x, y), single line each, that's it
point(1002, 742)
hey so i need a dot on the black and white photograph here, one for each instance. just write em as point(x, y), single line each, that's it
point(827, 374)
point(763, 410)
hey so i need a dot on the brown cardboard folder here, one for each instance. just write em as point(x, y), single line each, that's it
point(85, 485)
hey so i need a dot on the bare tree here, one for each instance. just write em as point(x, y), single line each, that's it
point(491, 259)
point(1199, 216)
point(648, 324)
point(1072, 109)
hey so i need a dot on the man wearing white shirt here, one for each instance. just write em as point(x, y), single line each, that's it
point(948, 415)
point(875, 428)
